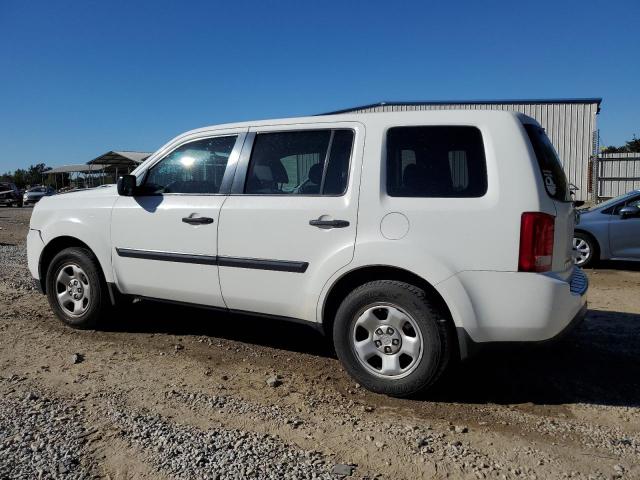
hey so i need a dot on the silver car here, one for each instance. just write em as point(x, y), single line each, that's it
point(609, 231)
point(33, 195)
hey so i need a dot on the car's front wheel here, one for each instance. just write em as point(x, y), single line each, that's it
point(585, 249)
point(76, 290)
point(391, 338)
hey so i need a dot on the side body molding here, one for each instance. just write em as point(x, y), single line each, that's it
point(236, 262)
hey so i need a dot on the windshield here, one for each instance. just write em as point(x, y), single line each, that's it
point(38, 189)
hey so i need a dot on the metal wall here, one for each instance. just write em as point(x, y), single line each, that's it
point(570, 126)
point(618, 173)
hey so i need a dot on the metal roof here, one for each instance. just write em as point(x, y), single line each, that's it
point(82, 168)
point(544, 101)
point(120, 158)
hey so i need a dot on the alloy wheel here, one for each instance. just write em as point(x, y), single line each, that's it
point(73, 291)
point(387, 341)
point(582, 249)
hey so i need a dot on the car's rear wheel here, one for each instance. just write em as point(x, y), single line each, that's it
point(76, 290)
point(586, 249)
point(390, 337)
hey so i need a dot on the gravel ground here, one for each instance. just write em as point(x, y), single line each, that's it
point(40, 437)
point(13, 260)
point(169, 392)
point(188, 452)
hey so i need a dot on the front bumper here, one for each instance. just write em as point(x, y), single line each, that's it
point(35, 245)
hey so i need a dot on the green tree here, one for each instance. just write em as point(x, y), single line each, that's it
point(20, 178)
point(631, 146)
point(30, 176)
point(35, 172)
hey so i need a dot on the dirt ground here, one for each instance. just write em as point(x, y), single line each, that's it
point(566, 410)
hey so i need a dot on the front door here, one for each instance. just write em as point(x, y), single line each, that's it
point(165, 239)
point(624, 234)
point(290, 221)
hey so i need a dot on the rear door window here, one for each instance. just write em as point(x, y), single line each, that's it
point(555, 180)
point(302, 162)
point(441, 161)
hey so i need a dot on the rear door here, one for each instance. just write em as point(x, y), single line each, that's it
point(165, 239)
point(624, 233)
point(290, 221)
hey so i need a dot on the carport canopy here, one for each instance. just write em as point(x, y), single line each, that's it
point(80, 168)
point(120, 159)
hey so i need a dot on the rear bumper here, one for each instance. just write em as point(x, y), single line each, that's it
point(575, 322)
point(469, 348)
point(515, 306)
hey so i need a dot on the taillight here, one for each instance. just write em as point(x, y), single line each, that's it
point(536, 242)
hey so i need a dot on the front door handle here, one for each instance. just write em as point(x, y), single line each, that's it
point(198, 220)
point(329, 223)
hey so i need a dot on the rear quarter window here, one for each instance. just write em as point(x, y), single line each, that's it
point(436, 161)
point(555, 180)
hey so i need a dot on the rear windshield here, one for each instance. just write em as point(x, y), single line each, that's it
point(555, 181)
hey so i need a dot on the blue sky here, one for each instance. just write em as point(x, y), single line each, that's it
point(81, 78)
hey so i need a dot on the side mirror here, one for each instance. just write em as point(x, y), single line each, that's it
point(127, 185)
point(630, 211)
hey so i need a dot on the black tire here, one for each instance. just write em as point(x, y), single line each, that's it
point(433, 327)
point(594, 250)
point(98, 303)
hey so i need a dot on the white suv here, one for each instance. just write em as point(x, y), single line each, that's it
point(411, 237)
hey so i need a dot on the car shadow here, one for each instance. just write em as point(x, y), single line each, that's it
point(615, 265)
point(147, 316)
point(597, 363)
point(150, 202)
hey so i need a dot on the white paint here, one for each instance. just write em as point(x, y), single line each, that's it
point(467, 248)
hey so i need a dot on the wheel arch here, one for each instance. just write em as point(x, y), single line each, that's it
point(364, 274)
point(56, 245)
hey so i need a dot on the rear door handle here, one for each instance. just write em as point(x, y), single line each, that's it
point(198, 220)
point(329, 223)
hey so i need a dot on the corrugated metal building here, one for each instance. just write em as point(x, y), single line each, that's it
point(570, 124)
